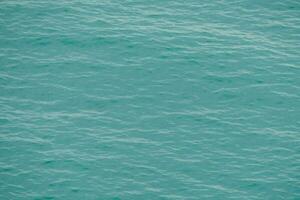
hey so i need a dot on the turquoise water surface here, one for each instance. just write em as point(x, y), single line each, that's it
point(156, 99)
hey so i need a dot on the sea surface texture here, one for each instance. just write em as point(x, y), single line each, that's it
point(149, 99)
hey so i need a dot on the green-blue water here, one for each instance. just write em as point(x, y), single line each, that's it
point(154, 99)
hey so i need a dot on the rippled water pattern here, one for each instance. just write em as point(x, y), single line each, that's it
point(136, 99)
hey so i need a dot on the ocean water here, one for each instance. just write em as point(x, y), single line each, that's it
point(136, 99)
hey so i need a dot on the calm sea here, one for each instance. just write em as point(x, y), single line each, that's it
point(149, 99)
